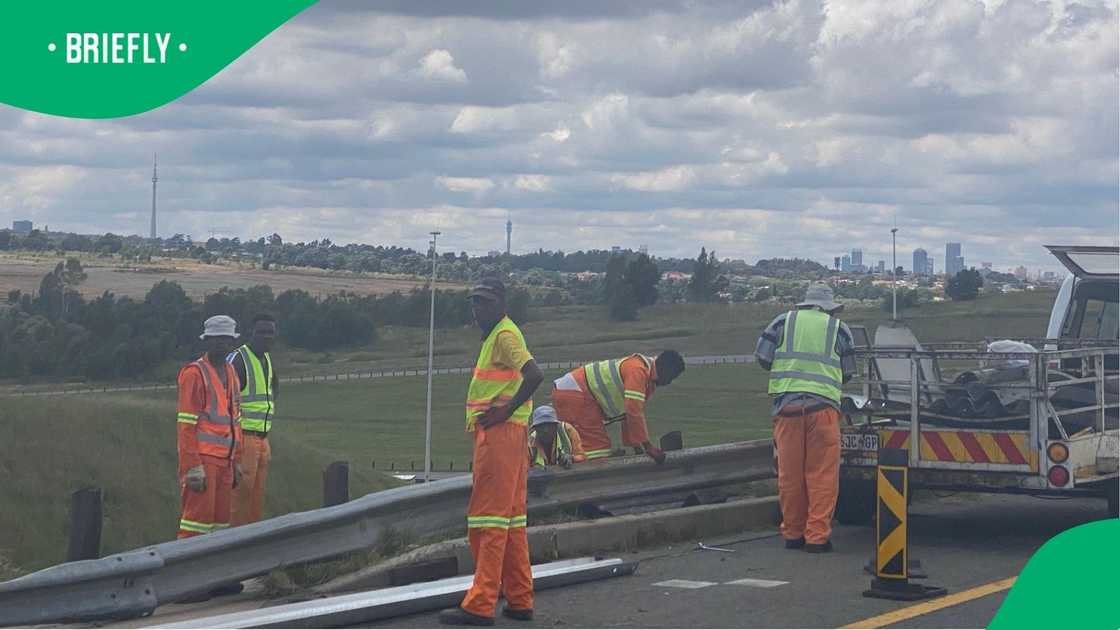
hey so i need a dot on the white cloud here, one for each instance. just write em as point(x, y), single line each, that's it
point(439, 65)
point(675, 178)
point(465, 184)
point(533, 183)
point(560, 134)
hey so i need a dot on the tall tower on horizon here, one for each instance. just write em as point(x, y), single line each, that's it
point(154, 180)
point(509, 232)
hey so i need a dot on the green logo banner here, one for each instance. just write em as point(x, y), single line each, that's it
point(86, 59)
point(1071, 582)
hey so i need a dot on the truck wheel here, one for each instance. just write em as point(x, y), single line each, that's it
point(856, 503)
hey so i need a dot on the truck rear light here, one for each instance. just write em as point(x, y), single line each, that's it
point(1057, 452)
point(1058, 476)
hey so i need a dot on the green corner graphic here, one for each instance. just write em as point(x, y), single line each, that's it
point(123, 57)
point(1071, 582)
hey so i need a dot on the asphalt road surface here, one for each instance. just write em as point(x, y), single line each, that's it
point(966, 543)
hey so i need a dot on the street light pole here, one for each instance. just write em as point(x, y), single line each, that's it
point(894, 276)
point(431, 352)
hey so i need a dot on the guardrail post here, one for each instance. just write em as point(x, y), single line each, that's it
point(336, 484)
point(892, 532)
point(85, 525)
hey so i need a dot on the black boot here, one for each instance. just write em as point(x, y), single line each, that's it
point(795, 543)
point(824, 547)
point(459, 617)
point(520, 614)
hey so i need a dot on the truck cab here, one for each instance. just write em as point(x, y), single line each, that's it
point(1088, 302)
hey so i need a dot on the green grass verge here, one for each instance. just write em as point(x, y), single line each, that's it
point(126, 446)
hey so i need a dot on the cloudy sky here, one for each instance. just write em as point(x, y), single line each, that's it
point(757, 128)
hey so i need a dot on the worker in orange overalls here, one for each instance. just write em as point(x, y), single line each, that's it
point(209, 432)
point(552, 442)
point(601, 393)
point(809, 354)
point(498, 407)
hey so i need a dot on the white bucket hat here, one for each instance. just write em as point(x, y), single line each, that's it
point(820, 295)
point(544, 415)
point(219, 326)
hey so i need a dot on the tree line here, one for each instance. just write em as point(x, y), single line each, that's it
point(273, 252)
point(56, 332)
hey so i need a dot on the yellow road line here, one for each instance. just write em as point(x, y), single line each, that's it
point(953, 599)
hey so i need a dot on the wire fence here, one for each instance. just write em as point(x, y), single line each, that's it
point(352, 375)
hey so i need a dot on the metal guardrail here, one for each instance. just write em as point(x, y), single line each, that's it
point(358, 375)
point(134, 583)
point(361, 608)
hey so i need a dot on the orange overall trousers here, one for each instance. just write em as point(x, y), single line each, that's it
point(808, 471)
point(496, 521)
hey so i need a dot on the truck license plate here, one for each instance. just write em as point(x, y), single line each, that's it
point(859, 441)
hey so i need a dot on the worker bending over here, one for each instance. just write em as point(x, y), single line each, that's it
point(604, 392)
point(259, 385)
point(552, 442)
point(209, 432)
point(498, 407)
point(809, 354)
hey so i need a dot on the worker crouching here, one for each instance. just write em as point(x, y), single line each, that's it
point(605, 392)
point(552, 442)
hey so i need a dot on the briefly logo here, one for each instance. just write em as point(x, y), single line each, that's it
point(117, 48)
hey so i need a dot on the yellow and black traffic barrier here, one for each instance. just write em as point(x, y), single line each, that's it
point(892, 533)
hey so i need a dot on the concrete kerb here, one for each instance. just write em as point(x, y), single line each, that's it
point(584, 538)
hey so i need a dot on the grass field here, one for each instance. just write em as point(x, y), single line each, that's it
point(23, 271)
point(572, 333)
point(126, 444)
point(383, 420)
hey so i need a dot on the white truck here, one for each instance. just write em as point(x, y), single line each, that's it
point(1041, 420)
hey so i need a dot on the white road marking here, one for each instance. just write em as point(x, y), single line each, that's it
point(756, 582)
point(685, 584)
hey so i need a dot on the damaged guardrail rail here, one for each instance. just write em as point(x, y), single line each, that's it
point(134, 583)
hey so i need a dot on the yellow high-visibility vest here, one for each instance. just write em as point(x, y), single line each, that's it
point(604, 379)
point(494, 385)
point(807, 360)
point(257, 403)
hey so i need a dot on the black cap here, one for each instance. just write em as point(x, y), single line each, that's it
point(490, 289)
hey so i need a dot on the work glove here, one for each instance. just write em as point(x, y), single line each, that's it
point(196, 478)
point(565, 460)
point(655, 453)
point(237, 474)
